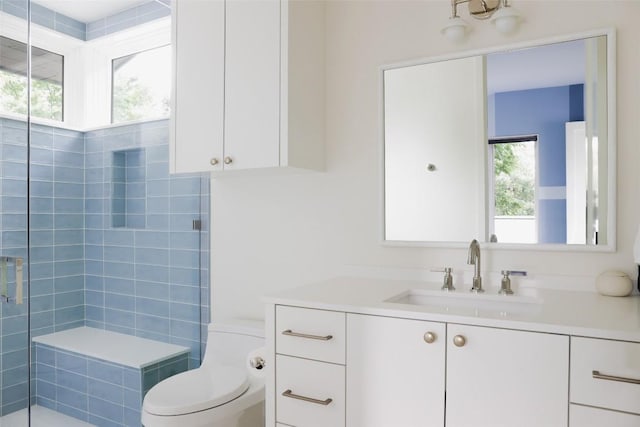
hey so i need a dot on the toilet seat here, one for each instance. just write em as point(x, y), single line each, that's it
point(196, 390)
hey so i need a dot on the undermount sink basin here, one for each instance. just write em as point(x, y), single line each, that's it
point(462, 300)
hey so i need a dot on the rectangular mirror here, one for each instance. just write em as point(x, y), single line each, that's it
point(513, 146)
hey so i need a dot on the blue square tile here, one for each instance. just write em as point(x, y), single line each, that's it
point(71, 362)
point(106, 391)
point(119, 302)
point(71, 398)
point(13, 377)
point(106, 372)
point(152, 323)
point(152, 273)
point(153, 307)
point(15, 393)
point(132, 379)
point(46, 390)
point(119, 318)
point(119, 270)
point(71, 381)
point(103, 409)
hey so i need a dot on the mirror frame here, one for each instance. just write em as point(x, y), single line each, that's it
point(610, 246)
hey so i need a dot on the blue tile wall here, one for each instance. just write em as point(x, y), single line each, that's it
point(57, 242)
point(94, 390)
point(48, 18)
point(144, 280)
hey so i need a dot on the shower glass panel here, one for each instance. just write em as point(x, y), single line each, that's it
point(100, 233)
point(14, 205)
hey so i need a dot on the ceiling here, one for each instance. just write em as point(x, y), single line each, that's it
point(89, 10)
point(558, 64)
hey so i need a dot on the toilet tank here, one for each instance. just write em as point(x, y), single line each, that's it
point(230, 341)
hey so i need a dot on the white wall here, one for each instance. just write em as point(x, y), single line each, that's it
point(276, 232)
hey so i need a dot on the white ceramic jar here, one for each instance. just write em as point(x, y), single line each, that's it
point(614, 284)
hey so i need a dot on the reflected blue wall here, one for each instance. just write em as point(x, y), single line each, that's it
point(542, 112)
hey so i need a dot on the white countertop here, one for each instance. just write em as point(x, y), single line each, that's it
point(563, 312)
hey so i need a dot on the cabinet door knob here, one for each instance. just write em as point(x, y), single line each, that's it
point(459, 341)
point(430, 337)
point(213, 161)
point(228, 160)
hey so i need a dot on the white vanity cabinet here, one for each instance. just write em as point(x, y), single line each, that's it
point(395, 372)
point(248, 85)
point(414, 373)
point(499, 377)
point(310, 357)
point(605, 383)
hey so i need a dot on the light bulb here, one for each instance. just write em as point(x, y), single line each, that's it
point(455, 30)
point(506, 20)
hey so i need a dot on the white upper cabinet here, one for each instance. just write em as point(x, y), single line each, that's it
point(248, 85)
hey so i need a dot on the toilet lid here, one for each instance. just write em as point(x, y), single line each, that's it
point(196, 390)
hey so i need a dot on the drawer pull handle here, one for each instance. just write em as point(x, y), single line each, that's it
point(290, 333)
point(598, 375)
point(289, 393)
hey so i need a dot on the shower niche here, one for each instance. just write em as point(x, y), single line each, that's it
point(128, 189)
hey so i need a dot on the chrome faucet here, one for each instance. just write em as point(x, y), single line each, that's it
point(474, 259)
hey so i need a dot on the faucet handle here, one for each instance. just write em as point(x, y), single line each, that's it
point(505, 283)
point(447, 284)
point(514, 273)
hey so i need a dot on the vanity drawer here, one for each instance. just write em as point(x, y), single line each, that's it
point(585, 416)
point(605, 374)
point(312, 334)
point(309, 393)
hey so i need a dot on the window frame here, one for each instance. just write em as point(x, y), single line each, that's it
point(87, 67)
point(15, 28)
point(101, 53)
point(112, 99)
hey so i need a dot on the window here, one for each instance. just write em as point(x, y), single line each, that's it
point(513, 189)
point(46, 83)
point(141, 85)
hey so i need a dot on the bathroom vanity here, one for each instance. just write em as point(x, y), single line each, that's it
point(366, 352)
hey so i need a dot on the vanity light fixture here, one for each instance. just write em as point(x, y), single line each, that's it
point(504, 17)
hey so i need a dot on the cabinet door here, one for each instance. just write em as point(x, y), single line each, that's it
point(198, 89)
point(499, 377)
point(252, 84)
point(394, 377)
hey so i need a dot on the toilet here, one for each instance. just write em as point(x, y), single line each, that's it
point(225, 391)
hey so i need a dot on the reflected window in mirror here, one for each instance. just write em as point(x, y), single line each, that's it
point(512, 190)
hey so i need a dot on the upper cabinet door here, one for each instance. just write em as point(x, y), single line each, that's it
point(252, 80)
point(197, 130)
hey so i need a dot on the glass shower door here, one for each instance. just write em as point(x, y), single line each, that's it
point(14, 207)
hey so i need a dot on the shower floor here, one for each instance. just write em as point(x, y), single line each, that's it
point(41, 417)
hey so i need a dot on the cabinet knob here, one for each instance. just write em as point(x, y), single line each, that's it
point(213, 161)
point(228, 160)
point(430, 337)
point(459, 341)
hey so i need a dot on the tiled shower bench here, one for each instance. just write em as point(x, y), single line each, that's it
point(100, 376)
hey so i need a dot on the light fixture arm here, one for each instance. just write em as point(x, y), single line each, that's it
point(454, 7)
point(479, 9)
